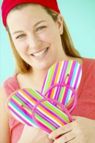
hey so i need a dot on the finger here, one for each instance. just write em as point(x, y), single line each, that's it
point(60, 131)
point(75, 117)
point(63, 130)
point(66, 138)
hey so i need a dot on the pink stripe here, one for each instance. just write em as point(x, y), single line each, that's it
point(61, 80)
point(70, 77)
point(21, 108)
point(53, 78)
point(45, 128)
point(77, 78)
point(43, 84)
point(19, 116)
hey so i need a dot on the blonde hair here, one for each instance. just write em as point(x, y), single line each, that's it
point(68, 46)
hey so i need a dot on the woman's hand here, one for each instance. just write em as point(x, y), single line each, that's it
point(81, 130)
point(33, 135)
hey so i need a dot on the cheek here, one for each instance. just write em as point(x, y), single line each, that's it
point(20, 47)
point(44, 37)
point(48, 36)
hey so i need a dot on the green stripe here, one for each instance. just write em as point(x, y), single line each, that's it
point(61, 96)
point(46, 123)
point(49, 78)
point(17, 99)
point(35, 94)
point(56, 111)
point(69, 67)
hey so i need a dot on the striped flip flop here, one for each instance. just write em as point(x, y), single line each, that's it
point(31, 108)
point(62, 81)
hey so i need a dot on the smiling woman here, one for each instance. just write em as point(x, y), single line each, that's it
point(42, 29)
point(36, 38)
point(39, 38)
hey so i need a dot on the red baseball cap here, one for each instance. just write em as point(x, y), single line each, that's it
point(8, 5)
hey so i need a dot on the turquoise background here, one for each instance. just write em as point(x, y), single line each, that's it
point(80, 18)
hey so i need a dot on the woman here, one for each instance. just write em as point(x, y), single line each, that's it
point(39, 38)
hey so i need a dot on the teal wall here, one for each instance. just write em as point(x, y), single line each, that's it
point(80, 18)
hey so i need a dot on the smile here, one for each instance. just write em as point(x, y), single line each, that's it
point(40, 53)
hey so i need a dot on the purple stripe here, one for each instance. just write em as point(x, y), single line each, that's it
point(21, 108)
point(19, 116)
point(73, 77)
point(52, 112)
point(31, 95)
point(61, 80)
point(72, 72)
point(43, 126)
point(36, 109)
point(53, 78)
point(24, 100)
point(30, 105)
point(69, 80)
point(47, 119)
point(45, 108)
point(77, 78)
point(74, 102)
point(43, 84)
point(27, 114)
point(49, 109)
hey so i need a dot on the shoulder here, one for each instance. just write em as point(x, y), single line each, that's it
point(10, 80)
point(10, 84)
point(89, 62)
point(88, 68)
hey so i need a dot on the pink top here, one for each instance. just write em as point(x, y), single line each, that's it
point(86, 97)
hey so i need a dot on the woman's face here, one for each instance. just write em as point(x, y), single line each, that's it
point(36, 36)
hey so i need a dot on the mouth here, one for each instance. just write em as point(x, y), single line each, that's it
point(40, 53)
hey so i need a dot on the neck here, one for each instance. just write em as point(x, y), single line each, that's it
point(36, 78)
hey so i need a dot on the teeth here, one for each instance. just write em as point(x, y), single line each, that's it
point(39, 53)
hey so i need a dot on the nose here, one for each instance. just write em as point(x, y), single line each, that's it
point(34, 41)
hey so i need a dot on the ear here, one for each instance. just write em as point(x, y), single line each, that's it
point(59, 23)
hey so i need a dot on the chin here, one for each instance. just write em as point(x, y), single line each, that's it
point(44, 65)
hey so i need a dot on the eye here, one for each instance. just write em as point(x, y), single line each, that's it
point(20, 36)
point(40, 28)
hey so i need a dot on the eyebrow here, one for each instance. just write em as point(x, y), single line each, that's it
point(39, 22)
point(34, 26)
